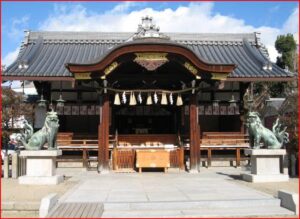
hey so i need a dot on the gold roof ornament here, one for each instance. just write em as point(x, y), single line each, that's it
point(151, 61)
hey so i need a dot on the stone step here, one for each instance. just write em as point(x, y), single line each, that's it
point(251, 211)
point(186, 205)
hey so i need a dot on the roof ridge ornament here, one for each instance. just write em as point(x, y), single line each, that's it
point(148, 30)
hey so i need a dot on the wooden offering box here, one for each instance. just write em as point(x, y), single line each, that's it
point(152, 158)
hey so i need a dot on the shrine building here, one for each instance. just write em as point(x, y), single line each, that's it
point(123, 94)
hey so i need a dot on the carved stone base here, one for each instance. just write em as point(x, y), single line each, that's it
point(41, 167)
point(266, 165)
point(265, 178)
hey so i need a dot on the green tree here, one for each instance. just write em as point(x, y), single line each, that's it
point(286, 45)
point(13, 107)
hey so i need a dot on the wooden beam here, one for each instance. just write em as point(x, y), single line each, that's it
point(194, 136)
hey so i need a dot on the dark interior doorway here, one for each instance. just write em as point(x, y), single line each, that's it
point(143, 119)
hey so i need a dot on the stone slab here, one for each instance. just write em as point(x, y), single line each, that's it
point(263, 152)
point(41, 153)
point(289, 200)
point(41, 180)
point(265, 178)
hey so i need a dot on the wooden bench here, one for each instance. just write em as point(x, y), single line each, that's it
point(83, 142)
point(84, 146)
point(65, 138)
point(226, 141)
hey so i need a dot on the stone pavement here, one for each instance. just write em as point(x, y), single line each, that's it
point(173, 194)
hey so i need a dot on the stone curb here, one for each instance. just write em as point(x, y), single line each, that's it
point(20, 206)
point(289, 200)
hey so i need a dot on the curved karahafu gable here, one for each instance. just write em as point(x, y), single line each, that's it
point(148, 46)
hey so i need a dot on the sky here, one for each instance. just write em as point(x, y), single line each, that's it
point(269, 18)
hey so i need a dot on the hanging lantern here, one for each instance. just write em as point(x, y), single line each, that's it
point(193, 86)
point(42, 102)
point(25, 96)
point(132, 100)
point(179, 101)
point(232, 102)
point(105, 85)
point(60, 101)
point(140, 98)
point(149, 99)
point(124, 99)
point(117, 99)
point(164, 99)
point(155, 98)
point(51, 106)
point(171, 99)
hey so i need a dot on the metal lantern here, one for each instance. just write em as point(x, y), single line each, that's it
point(216, 103)
point(42, 102)
point(232, 102)
point(60, 101)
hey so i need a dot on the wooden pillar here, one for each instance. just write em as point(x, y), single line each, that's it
point(194, 135)
point(115, 158)
point(103, 136)
point(238, 157)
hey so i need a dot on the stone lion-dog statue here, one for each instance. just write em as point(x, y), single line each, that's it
point(47, 134)
point(257, 132)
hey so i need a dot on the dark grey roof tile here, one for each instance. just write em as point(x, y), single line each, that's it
point(59, 48)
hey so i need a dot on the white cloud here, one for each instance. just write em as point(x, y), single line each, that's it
point(196, 17)
point(123, 7)
point(291, 24)
point(16, 30)
point(10, 57)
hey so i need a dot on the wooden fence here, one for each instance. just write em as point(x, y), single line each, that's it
point(14, 166)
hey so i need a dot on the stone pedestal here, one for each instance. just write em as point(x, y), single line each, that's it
point(266, 165)
point(41, 167)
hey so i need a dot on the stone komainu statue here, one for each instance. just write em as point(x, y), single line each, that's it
point(47, 134)
point(258, 133)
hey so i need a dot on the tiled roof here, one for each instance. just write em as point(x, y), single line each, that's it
point(46, 53)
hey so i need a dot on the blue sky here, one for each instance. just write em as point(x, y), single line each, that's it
point(270, 18)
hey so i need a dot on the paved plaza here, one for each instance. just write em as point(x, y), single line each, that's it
point(174, 194)
point(214, 192)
